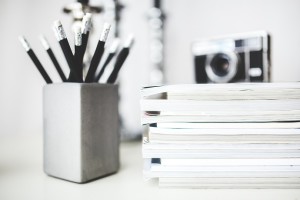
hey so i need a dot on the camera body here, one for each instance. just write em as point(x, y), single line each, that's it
point(236, 58)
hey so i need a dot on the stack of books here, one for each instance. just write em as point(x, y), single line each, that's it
point(237, 135)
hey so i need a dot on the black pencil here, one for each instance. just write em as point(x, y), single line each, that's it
point(120, 60)
point(86, 27)
point(112, 52)
point(35, 59)
point(53, 58)
point(98, 54)
point(65, 46)
point(78, 51)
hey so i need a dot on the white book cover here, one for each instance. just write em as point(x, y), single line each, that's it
point(226, 135)
point(257, 180)
point(220, 107)
point(230, 162)
point(150, 175)
point(270, 125)
point(221, 154)
point(219, 146)
point(220, 150)
point(227, 91)
point(234, 131)
point(230, 183)
point(279, 172)
point(224, 168)
point(148, 119)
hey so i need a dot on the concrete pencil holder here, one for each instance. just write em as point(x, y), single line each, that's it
point(81, 130)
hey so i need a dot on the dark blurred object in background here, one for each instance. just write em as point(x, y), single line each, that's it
point(79, 8)
point(156, 20)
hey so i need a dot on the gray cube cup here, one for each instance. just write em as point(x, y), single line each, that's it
point(81, 130)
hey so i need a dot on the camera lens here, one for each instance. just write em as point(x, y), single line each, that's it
point(220, 64)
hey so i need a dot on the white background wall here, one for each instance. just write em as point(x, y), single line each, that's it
point(21, 85)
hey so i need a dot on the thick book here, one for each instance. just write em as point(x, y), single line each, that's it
point(270, 125)
point(219, 103)
point(157, 171)
point(224, 135)
point(221, 150)
point(229, 182)
point(228, 91)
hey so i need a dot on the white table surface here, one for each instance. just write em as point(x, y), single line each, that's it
point(22, 177)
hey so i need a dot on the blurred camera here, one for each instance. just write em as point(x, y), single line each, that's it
point(237, 58)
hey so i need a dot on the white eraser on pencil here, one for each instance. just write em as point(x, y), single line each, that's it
point(78, 36)
point(105, 32)
point(55, 32)
point(24, 43)
point(88, 15)
point(44, 42)
point(59, 30)
point(129, 41)
point(114, 46)
point(86, 23)
point(57, 23)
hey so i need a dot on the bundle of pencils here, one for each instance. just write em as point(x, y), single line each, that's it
point(75, 60)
